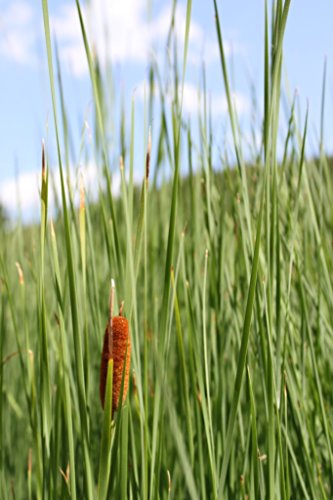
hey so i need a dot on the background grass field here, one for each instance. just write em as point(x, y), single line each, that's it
point(226, 274)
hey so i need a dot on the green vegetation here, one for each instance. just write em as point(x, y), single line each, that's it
point(226, 276)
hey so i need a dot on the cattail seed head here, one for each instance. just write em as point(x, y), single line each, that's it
point(43, 162)
point(116, 346)
point(148, 154)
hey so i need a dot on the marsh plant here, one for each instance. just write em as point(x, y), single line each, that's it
point(225, 267)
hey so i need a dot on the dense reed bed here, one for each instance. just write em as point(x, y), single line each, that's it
point(226, 276)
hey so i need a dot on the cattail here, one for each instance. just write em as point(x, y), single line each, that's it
point(43, 161)
point(116, 346)
point(148, 154)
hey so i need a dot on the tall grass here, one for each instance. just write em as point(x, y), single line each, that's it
point(226, 277)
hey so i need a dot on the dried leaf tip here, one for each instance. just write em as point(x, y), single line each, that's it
point(29, 461)
point(169, 481)
point(65, 475)
point(52, 229)
point(43, 161)
point(148, 155)
point(20, 273)
point(121, 163)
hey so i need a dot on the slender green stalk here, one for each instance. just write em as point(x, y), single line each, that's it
point(105, 453)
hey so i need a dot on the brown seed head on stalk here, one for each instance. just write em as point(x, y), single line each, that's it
point(116, 346)
point(43, 161)
point(148, 154)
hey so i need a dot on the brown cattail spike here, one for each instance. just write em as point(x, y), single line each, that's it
point(121, 354)
point(43, 161)
point(148, 154)
point(116, 346)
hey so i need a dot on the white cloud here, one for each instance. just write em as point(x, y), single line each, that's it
point(18, 38)
point(193, 99)
point(24, 190)
point(117, 30)
point(218, 101)
point(121, 32)
point(24, 187)
point(202, 47)
point(65, 26)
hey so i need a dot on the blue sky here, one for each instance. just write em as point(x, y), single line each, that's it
point(135, 31)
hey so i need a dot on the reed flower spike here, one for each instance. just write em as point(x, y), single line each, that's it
point(116, 346)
